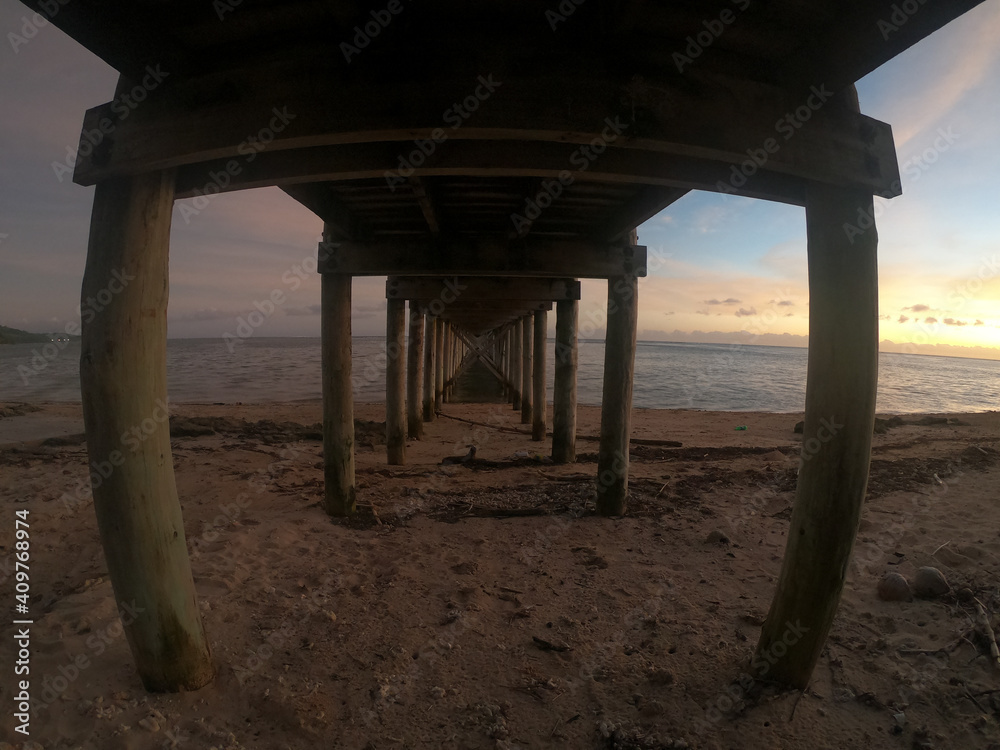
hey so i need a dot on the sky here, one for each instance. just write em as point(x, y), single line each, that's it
point(725, 269)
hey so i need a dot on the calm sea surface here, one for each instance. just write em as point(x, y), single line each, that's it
point(667, 376)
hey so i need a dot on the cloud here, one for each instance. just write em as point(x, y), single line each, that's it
point(743, 312)
point(979, 322)
point(728, 301)
point(783, 303)
point(205, 314)
point(918, 308)
point(305, 310)
point(954, 322)
point(902, 319)
point(930, 321)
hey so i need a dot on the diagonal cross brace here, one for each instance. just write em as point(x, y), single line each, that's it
point(477, 350)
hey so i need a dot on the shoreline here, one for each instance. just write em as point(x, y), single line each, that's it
point(22, 421)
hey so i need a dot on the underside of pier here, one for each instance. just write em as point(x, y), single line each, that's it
point(483, 158)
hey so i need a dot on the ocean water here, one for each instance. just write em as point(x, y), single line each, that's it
point(667, 376)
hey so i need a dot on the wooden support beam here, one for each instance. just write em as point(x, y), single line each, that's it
point(836, 441)
point(480, 289)
point(339, 221)
point(414, 373)
point(527, 394)
point(427, 206)
point(445, 388)
point(130, 45)
point(564, 390)
point(487, 351)
point(538, 378)
point(347, 133)
point(439, 330)
point(616, 405)
point(453, 350)
point(483, 256)
point(430, 377)
point(517, 357)
point(395, 381)
point(525, 219)
point(648, 202)
point(338, 396)
point(874, 32)
point(123, 375)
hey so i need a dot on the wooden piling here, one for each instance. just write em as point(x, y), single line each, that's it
point(564, 390)
point(446, 364)
point(526, 352)
point(616, 405)
point(836, 440)
point(338, 395)
point(538, 377)
point(430, 340)
point(414, 373)
point(515, 370)
point(395, 381)
point(439, 364)
point(507, 348)
point(123, 376)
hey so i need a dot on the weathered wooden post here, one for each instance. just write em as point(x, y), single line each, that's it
point(515, 370)
point(538, 377)
point(439, 364)
point(395, 381)
point(414, 373)
point(338, 395)
point(446, 388)
point(430, 341)
point(836, 441)
point(564, 388)
point(507, 365)
point(123, 375)
point(526, 350)
point(616, 405)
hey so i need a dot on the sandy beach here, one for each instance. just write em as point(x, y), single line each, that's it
point(484, 605)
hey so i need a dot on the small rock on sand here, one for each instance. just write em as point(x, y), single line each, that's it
point(894, 588)
point(929, 583)
point(717, 537)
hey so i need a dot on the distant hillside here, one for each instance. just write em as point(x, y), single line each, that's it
point(15, 336)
